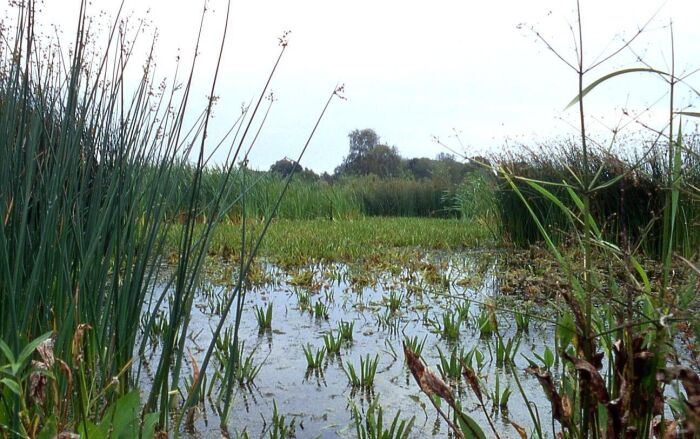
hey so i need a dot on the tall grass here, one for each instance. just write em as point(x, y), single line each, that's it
point(614, 312)
point(86, 165)
point(628, 204)
point(303, 200)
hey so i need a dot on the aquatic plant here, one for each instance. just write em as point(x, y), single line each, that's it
point(280, 428)
point(314, 360)
point(373, 425)
point(522, 319)
point(394, 301)
point(345, 330)
point(332, 343)
point(486, 320)
point(368, 369)
point(320, 310)
point(505, 351)
point(264, 317)
point(450, 327)
point(414, 344)
point(451, 368)
point(500, 398)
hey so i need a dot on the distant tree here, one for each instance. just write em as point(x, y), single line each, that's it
point(382, 160)
point(285, 167)
point(421, 167)
point(362, 142)
point(444, 156)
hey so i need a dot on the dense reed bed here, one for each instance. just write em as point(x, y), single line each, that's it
point(86, 163)
point(628, 206)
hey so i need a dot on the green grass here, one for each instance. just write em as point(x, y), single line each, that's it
point(298, 242)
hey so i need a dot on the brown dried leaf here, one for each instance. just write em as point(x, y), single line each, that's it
point(596, 382)
point(547, 383)
point(433, 384)
point(195, 369)
point(521, 431)
point(473, 381)
point(415, 365)
point(428, 381)
point(77, 344)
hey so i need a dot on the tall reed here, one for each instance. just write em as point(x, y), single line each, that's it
point(87, 159)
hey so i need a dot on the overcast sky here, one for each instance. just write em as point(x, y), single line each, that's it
point(413, 70)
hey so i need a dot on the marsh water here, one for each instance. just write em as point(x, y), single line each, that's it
point(384, 303)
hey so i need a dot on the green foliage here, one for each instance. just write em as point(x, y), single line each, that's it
point(332, 343)
point(368, 369)
point(264, 317)
point(345, 330)
point(295, 243)
point(373, 425)
point(281, 429)
point(314, 360)
point(122, 420)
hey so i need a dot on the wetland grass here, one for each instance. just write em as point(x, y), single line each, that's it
point(314, 360)
point(371, 425)
point(368, 369)
point(87, 159)
point(264, 317)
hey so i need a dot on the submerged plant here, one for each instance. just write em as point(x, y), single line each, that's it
point(486, 321)
point(320, 310)
point(505, 351)
point(414, 344)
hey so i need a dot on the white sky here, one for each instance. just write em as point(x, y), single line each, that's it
point(413, 69)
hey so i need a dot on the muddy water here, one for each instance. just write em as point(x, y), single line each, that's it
point(320, 401)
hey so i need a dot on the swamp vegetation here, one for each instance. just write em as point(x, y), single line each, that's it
point(552, 293)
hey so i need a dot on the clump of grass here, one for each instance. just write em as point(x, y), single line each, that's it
point(505, 352)
point(522, 320)
point(500, 398)
point(230, 352)
point(281, 429)
point(314, 360)
point(394, 301)
point(451, 324)
point(332, 343)
point(345, 329)
point(451, 368)
point(303, 299)
point(486, 321)
point(389, 322)
point(475, 359)
point(368, 369)
point(414, 344)
point(373, 425)
point(462, 308)
point(264, 317)
point(321, 310)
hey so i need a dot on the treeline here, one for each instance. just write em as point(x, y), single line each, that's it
point(382, 183)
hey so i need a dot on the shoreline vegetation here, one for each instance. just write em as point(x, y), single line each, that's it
point(103, 185)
